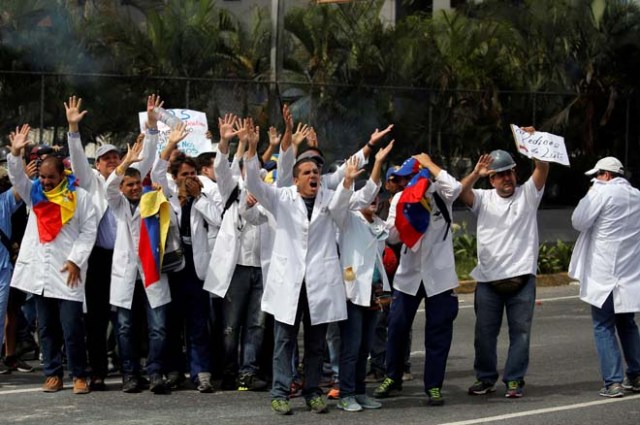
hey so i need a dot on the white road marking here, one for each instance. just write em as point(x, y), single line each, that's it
point(543, 411)
point(542, 300)
point(4, 391)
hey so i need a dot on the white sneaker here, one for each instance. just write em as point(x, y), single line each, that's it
point(349, 404)
point(367, 402)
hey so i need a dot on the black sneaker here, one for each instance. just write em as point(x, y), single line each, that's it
point(251, 382)
point(15, 364)
point(481, 388)
point(435, 397)
point(130, 384)
point(175, 379)
point(157, 385)
point(387, 387)
point(97, 384)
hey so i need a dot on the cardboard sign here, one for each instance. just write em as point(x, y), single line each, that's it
point(543, 146)
point(192, 145)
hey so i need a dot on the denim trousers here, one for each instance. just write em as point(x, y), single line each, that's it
point(440, 311)
point(189, 314)
point(286, 337)
point(157, 334)
point(243, 319)
point(61, 321)
point(5, 284)
point(356, 334)
point(605, 324)
point(489, 306)
point(98, 313)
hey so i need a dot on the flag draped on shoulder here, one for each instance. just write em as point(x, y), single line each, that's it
point(413, 211)
point(54, 208)
point(154, 226)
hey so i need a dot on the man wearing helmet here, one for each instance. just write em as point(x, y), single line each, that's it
point(507, 261)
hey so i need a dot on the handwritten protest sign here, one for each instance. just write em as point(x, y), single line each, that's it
point(196, 142)
point(540, 145)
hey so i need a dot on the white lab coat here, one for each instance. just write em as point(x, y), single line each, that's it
point(38, 265)
point(303, 251)
point(361, 248)
point(204, 210)
point(605, 257)
point(126, 262)
point(431, 260)
point(210, 189)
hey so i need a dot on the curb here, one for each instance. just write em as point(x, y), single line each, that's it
point(554, 279)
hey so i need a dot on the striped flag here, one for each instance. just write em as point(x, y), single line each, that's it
point(413, 211)
point(53, 209)
point(154, 226)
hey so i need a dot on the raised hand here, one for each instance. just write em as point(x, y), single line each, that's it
point(274, 137)
point(288, 118)
point(529, 130)
point(132, 156)
point(178, 134)
point(74, 115)
point(226, 127)
point(377, 135)
point(352, 170)
point(382, 154)
point(19, 139)
point(153, 101)
point(312, 138)
point(301, 133)
point(482, 166)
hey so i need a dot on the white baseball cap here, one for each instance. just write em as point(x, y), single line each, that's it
point(608, 163)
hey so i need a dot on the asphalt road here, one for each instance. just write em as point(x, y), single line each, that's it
point(562, 387)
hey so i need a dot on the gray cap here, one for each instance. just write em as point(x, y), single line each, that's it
point(608, 163)
point(106, 148)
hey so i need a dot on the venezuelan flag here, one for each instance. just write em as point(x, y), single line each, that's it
point(54, 209)
point(413, 211)
point(154, 226)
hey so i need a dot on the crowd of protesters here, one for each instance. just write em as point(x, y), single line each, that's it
point(172, 269)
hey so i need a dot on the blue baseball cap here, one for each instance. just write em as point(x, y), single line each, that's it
point(408, 168)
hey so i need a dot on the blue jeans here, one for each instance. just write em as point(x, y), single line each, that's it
point(333, 346)
point(241, 310)
point(489, 305)
point(286, 337)
point(440, 311)
point(157, 334)
point(356, 334)
point(61, 321)
point(605, 324)
point(190, 305)
point(5, 283)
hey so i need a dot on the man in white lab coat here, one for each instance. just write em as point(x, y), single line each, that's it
point(605, 261)
point(304, 281)
point(52, 263)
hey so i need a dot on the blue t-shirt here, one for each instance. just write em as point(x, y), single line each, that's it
point(8, 205)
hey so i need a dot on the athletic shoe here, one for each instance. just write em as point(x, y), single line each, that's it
point(349, 404)
point(333, 394)
point(281, 406)
point(514, 390)
point(97, 384)
point(632, 384)
point(612, 391)
point(386, 388)
point(52, 384)
point(435, 397)
point(80, 386)
point(251, 382)
point(130, 384)
point(367, 402)
point(317, 405)
point(157, 385)
point(14, 363)
point(481, 388)
point(204, 382)
point(174, 379)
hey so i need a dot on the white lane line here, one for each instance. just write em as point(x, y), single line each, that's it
point(543, 411)
point(39, 388)
point(541, 300)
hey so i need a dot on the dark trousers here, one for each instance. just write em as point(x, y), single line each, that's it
point(61, 321)
point(356, 334)
point(97, 292)
point(440, 311)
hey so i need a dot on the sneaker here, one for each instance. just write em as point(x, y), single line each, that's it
point(157, 385)
point(14, 363)
point(632, 384)
point(385, 389)
point(481, 388)
point(80, 386)
point(251, 382)
point(317, 405)
point(349, 404)
point(435, 397)
point(281, 406)
point(143, 383)
point(333, 394)
point(367, 402)
point(514, 389)
point(204, 382)
point(131, 384)
point(612, 391)
point(174, 379)
point(52, 384)
point(407, 376)
point(97, 384)
point(4, 370)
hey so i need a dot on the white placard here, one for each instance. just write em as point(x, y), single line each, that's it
point(195, 143)
point(543, 146)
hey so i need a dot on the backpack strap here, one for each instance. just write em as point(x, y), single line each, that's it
point(233, 197)
point(445, 212)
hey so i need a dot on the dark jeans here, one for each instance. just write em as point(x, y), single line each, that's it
point(286, 337)
point(440, 311)
point(489, 306)
point(61, 321)
point(97, 292)
point(157, 334)
point(241, 312)
point(190, 306)
point(379, 345)
point(356, 334)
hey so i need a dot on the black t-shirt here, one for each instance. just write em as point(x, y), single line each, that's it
point(309, 202)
